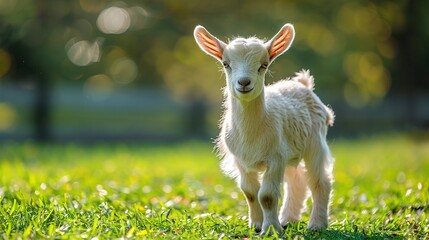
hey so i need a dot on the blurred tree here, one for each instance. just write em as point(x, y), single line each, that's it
point(359, 51)
point(409, 70)
point(27, 66)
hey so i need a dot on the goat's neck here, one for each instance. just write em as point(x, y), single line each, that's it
point(247, 114)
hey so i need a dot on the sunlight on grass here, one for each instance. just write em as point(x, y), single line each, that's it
point(177, 191)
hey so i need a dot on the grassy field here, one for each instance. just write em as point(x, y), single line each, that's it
point(177, 191)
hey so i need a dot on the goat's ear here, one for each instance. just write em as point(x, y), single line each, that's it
point(208, 43)
point(281, 41)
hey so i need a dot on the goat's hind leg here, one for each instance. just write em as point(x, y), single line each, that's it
point(249, 185)
point(295, 194)
point(319, 178)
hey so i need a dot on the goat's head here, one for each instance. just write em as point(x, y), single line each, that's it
point(245, 60)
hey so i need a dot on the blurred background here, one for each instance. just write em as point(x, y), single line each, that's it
point(90, 70)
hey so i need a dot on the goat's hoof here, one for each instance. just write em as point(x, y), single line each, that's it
point(315, 226)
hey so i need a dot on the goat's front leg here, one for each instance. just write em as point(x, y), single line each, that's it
point(268, 197)
point(249, 184)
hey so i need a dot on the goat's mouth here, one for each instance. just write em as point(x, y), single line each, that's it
point(244, 90)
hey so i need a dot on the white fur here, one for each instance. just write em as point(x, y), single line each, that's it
point(272, 134)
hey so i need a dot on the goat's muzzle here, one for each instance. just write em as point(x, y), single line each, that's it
point(244, 85)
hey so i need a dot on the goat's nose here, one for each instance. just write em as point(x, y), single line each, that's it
point(244, 82)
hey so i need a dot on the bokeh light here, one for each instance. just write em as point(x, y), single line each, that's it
point(123, 70)
point(83, 52)
point(118, 18)
point(114, 20)
point(369, 80)
point(318, 37)
point(98, 87)
point(7, 116)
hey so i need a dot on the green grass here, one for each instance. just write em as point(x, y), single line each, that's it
point(177, 191)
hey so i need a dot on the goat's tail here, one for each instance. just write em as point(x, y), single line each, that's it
point(330, 118)
point(304, 78)
point(307, 80)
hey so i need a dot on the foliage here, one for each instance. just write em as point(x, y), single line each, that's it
point(353, 47)
point(176, 191)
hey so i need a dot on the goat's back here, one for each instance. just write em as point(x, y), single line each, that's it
point(302, 113)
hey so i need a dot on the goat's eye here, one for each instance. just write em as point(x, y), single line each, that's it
point(263, 66)
point(226, 65)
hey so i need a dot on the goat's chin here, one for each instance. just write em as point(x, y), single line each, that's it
point(246, 96)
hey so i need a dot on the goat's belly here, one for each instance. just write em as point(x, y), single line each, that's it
point(258, 166)
point(259, 155)
point(251, 161)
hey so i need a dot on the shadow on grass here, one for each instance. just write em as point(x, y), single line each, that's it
point(299, 231)
point(344, 234)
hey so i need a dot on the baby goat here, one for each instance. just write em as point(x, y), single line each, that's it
point(268, 131)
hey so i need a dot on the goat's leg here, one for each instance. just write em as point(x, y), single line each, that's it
point(294, 195)
point(268, 197)
point(249, 185)
point(319, 178)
